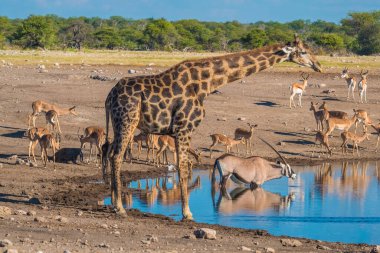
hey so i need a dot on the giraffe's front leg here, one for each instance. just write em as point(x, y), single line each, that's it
point(182, 146)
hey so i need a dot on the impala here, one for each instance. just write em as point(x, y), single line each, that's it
point(351, 83)
point(362, 85)
point(247, 135)
point(356, 140)
point(298, 89)
point(225, 141)
point(318, 115)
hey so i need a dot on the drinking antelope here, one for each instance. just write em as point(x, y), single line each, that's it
point(362, 85)
point(356, 139)
point(318, 115)
point(247, 135)
point(252, 170)
point(52, 119)
point(42, 106)
point(322, 140)
point(49, 141)
point(95, 138)
point(225, 141)
point(298, 88)
point(362, 117)
point(351, 82)
point(34, 134)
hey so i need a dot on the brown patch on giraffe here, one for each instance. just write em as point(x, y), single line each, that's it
point(166, 79)
point(262, 58)
point(146, 81)
point(233, 63)
point(251, 71)
point(154, 111)
point(122, 81)
point(194, 73)
point(234, 76)
point(184, 78)
point(175, 75)
point(247, 60)
point(166, 93)
point(205, 74)
point(177, 90)
point(155, 99)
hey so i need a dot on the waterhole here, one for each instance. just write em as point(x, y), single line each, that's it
point(337, 202)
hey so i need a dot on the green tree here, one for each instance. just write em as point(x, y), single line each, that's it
point(76, 33)
point(36, 31)
point(255, 38)
point(369, 39)
point(107, 37)
point(160, 34)
point(329, 41)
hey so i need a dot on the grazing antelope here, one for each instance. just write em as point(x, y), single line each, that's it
point(41, 106)
point(95, 138)
point(322, 140)
point(377, 129)
point(252, 170)
point(34, 134)
point(363, 118)
point(341, 124)
point(351, 83)
point(225, 141)
point(356, 139)
point(247, 135)
point(49, 141)
point(318, 115)
point(298, 88)
point(52, 119)
point(362, 85)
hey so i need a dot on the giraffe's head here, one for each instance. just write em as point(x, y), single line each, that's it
point(299, 53)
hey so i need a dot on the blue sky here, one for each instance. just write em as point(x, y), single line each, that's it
point(245, 11)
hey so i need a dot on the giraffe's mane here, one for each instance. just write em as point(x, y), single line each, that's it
point(221, 57)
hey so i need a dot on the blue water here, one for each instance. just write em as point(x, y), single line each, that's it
point(330, 202)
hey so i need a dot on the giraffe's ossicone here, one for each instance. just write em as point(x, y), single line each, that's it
point(172, 103)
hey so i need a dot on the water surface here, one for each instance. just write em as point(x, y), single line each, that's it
point(331, 202)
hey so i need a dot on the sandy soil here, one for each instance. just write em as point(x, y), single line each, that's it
point(65, 199)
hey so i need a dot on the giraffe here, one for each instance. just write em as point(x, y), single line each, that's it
point(172, 103)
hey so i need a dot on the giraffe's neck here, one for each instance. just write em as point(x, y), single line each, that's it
point(212, 73)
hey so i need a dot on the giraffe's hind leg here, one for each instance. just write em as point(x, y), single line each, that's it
point(123, 134)
point(182, 146)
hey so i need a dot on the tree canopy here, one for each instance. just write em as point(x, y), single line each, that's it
point(358, 33)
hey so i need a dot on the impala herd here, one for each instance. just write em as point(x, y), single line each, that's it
point(157, 146)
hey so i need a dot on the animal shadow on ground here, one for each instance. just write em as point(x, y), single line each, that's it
point(292, 134)
point(300, 142)
point(11, 198)
point(327, 98)
point(267, 103)
point(17, 134)
point(292, 153)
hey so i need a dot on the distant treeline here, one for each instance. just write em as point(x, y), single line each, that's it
point(359, 33)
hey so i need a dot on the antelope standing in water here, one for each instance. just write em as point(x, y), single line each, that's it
point(362, 85)
point(42, 106)
point(298, 89)
point(253, 170)
point(351, 83)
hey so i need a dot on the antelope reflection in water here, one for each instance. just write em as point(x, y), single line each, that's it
point(255, 200)
point(352, 180)
point(158, 190)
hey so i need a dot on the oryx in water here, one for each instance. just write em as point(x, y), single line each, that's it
point(253, 171)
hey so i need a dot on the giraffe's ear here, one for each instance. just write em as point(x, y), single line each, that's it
point(288, 49)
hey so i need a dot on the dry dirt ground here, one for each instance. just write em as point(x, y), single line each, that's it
point(65, 199)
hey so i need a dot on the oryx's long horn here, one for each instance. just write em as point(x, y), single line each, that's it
point(282, 158)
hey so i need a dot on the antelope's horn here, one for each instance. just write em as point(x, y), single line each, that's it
point(282, 158)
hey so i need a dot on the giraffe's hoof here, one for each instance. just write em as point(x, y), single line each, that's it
point(187, 218)
point(121, 212)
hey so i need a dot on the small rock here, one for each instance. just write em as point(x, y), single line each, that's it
point(117, 233)
point(307, 129)
point(61, 219)
point(189, 236)
point(40, 219)
point(105, 226)
point(20, 161)
point(152, 238)
point(241, 118)
point(41, 66)
point(20, 212)
point(5, 211)
point(132, 71)
point(103, 245)
point(33, 164)
point(31, 213)
point(1, 165)
point(66, 251)
point(11, 251)
point(322, 247)
point(222, 119)
point(13, 157)
point(5, 243)
point(79, 213)
point(376, 249)
point(269, 250)
point(281, 143)
point(146, 242)
point(321, 85)
point(290, 243)
point(243, 248)
point(205, 233)
point(56, 64)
